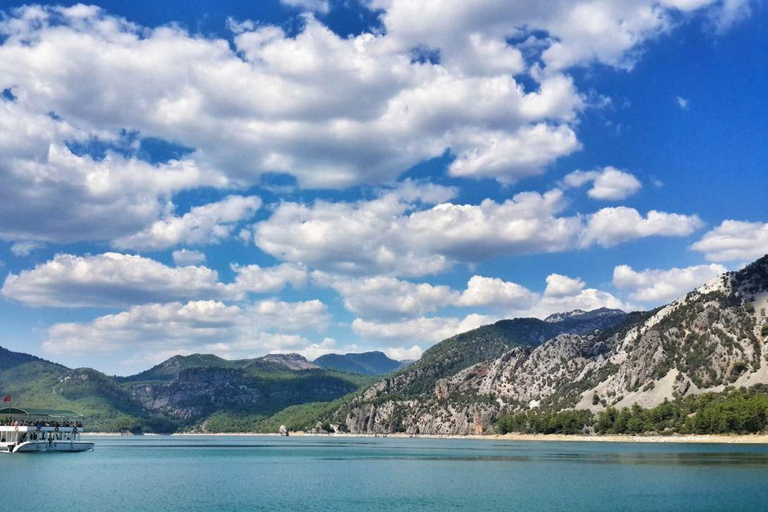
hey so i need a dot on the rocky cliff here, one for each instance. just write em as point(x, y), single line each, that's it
point(711, 338)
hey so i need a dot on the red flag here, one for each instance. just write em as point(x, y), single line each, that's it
point(7, 398)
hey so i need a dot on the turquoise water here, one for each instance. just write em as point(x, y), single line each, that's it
point(273, 473)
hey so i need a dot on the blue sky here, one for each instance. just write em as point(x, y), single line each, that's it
point(247, 177)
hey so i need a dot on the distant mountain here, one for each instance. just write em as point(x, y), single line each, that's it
point(180, 393)
point(713, 337)
point(405, 363)
point(171, 368)
point(290, 361)
point(581, 315)
point(367, 363)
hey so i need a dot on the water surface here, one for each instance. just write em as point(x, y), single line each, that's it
point(250, 473)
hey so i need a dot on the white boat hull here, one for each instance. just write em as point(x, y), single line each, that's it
point(44, 446)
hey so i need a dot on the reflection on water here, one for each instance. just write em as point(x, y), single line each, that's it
point(458, 450)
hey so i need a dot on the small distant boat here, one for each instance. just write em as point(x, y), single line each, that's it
point(41, 430)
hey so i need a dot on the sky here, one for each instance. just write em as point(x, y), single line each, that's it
point(316, 176)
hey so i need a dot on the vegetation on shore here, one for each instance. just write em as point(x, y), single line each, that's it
point(734, 411)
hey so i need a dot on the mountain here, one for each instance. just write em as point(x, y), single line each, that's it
point(200, 392)
point(290, 361)
point(35, 382)
point(171, 368)
point(582, 317)
point(487, 342)
point(712, 338)
point(180, 393)
point(367, 363)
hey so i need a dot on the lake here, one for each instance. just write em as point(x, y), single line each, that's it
point(247, 473)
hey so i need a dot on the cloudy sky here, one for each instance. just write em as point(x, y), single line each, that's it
point(313, 176)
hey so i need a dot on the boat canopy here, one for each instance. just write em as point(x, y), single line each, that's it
point(42, 413)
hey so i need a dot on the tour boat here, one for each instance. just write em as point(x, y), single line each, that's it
point(38, 430)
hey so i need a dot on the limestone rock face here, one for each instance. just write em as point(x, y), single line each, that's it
point(713, 337)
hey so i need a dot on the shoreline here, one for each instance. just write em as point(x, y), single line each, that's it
point(575, 438)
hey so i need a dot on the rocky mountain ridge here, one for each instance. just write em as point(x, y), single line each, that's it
point(711, 338)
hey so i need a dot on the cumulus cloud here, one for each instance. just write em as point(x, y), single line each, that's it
point(608, 183)
point(496, 293)
point(507, 299)
point(115, 280)
point(108, 280)
point(612, 226)
point(206, 224)
point(562, 294)
point(327, 346)
point(559, 285)
point(388, 235)
point(422, 331)
point(734, 241)
point(185, 257)
point(332, 111)
point(256, 279)
point(578, 32)
point(360, 109)
point(586, 300)
point(657, 286)
point(387, 297)
point(682, 102)
point(50, 194)
point(196, 326)
point(404, 354)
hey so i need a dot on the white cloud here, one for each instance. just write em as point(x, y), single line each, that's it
point(421, 331)
point(562, 294)
point(291, 317)
point(579, 32)
point(332, 111)
point(493, 292)
point(319, 6)
point(50, 194)
point(327, 346)
point(25, 248)
point(404, 354)
point(197, 326)
point(608, 183)
point(256, 279)
point(586, 300)
point(186, 257)
point(387, 297)
point(350, 238)
point(734, 241)
point(359, 109)
point(114, 280)
point(207, 224)
point(612, 226)
point(108, 280)
point(657, 286)
point(682, 102)
point(559, 285)
point(390, 236)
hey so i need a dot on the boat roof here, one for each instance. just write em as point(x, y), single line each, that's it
point(48, 413)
